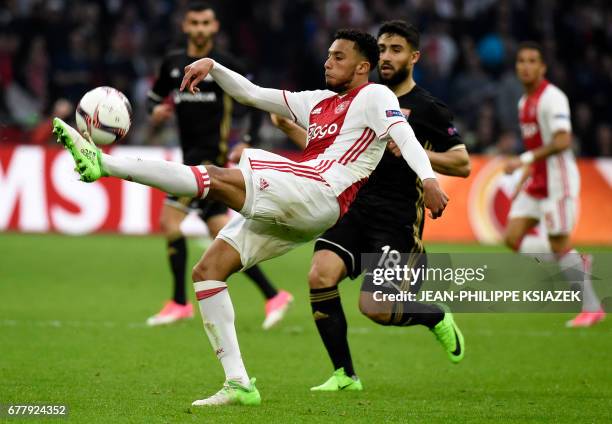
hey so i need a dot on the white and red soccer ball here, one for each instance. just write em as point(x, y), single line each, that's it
point(105, 114)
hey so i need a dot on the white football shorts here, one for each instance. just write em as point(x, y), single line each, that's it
point(286, 204)
point(559, 214)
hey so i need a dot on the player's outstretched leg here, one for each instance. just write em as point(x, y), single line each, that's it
point(224, 185)
point(450, 336)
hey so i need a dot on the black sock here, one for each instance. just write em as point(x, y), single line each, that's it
point(258, 277)
point(177, 255)
point(331, 323)
point(406, 314)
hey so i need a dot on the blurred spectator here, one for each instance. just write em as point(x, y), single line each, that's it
point(604, 140)
point(42, 133)
point(59, 49)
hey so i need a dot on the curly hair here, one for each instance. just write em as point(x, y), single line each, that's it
point(364, 43)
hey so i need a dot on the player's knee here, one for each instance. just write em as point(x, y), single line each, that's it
point(202, 271)
point(319, 278)
point(170, 229)
point(374, 310)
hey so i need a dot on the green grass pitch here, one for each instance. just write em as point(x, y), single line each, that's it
point(72, 312)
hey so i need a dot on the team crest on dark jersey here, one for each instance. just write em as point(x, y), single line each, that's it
point(406, 112)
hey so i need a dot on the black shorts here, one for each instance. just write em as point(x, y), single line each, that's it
point(205, 208)
point(361, 231)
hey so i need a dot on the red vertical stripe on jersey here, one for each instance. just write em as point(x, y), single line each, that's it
point(532, 138)
point(348, 196)
point(289, 107)
point(362, 148)
point(364, 135)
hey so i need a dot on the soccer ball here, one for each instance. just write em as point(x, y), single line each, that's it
point(105, 114)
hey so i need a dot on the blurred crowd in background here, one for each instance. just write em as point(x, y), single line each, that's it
point(53, 51)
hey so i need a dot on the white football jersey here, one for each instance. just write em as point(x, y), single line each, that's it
point(347, 134)
point(541, 115)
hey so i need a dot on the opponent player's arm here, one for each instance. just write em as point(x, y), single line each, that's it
point(414, 154)
point(295, 133)
point(411, 150)
point(237, 86)
point(454, 162)
point(159, 111)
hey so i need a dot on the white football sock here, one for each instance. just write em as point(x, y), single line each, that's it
point(573, 267)
point(218, 316)
point(171, 177)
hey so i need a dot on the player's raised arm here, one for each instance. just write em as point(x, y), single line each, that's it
point(292, 130)
point(236, 85)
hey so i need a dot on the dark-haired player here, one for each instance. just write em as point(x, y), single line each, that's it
point(551, 191)
point(387, 215)
point(204, 121)
point(283, 203)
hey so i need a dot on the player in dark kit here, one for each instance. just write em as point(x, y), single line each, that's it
point(387, 215)
point(204, 121)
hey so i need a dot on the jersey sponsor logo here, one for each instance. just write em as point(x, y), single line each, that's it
point(342, 106)
point(316, 111)
point(392, 113)
point(561, 116)
point(183, 96)
point(321, 131)
point(529, 129)
point(175, 73)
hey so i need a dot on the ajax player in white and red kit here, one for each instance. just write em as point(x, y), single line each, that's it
point(550, 192)
point(282, 203)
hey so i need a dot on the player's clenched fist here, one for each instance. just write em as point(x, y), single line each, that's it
point(435, 199)
point(195, 73)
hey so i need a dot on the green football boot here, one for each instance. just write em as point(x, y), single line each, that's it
point(233, 393)
point(87, 157)
point(450, 337)
point(339, 381)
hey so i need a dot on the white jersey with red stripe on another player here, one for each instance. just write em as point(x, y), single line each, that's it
point(551, 191)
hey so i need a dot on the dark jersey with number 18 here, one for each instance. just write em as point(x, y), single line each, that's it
point(389, 210)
